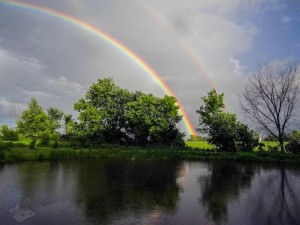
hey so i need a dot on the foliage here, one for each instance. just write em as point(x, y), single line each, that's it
point(223, 129)
point(137, 153)
point(7, 134)
point(55, 117)
point(32, 143)
point(44, 137)
point(110, 114)
point(294, 143)
point(34, 121)
point(5, 145)
point(101, 113)
point(153, 120)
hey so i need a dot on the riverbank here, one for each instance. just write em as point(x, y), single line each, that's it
point(135, 153)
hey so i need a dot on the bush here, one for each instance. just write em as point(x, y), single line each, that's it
point(8, 134)
point(230, 135)
point(294, 144)
point(55, 144)
point(32, 144)
point(5, 145)
point(45, 138)
point(261, 147)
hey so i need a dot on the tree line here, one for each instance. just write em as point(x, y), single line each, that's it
point(113, 115)
point(107, 114)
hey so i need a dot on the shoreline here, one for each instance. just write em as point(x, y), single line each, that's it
point(22, 154)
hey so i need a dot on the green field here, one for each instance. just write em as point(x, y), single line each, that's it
point(206, 145)
point(199, 144)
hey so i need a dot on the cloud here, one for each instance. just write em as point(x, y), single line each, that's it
point(62, 83)
point(238, 69)
point(9, 110)
point(190, 44)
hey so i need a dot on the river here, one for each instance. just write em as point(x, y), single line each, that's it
point(149, 192)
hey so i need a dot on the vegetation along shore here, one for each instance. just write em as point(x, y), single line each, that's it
point(115, 122)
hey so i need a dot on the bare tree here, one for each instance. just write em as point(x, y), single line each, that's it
point(269, 98)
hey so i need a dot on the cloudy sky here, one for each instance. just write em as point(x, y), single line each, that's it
point(194, 46)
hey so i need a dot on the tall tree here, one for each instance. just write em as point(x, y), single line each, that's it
point(153, 120)
point(222, 128)
point(101, 112)
point(33, 121)
point(269, 98)
point(110, 114)
point(55, 116)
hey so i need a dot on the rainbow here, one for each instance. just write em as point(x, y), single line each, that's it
point(189, 51)
point(109, 39)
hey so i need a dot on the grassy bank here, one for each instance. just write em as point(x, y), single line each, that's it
point(135, 153)
point(206, 145)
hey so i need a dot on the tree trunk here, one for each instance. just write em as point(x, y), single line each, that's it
point(281, 144)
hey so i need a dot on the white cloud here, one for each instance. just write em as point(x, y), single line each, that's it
point(62, 83)
point(238, 69)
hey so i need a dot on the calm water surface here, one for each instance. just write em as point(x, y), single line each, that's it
point(148, 192)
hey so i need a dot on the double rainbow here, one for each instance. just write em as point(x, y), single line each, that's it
point(109, 39)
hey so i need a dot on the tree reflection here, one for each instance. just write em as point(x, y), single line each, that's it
point(223, 184)
point(279, 202)
point(110, 188)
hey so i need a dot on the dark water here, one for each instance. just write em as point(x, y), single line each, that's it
point(147, 192)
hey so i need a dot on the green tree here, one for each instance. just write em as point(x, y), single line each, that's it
point(34, 121)
point(294, 142)
point(110, 114)
point(101, 113)
point(55, 116)
point(223, 129)
point(7, 134)
point(153, 120)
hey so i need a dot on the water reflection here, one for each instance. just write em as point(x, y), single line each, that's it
point(90, 192)
point(275, 197)
point(120, 187)
point(223, 184)
point(149, 192)
point(250, 194)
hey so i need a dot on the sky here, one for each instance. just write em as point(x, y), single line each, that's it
point(192, 45)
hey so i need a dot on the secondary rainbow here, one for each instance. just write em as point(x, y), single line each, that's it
point(111, 40)
point(188, 50)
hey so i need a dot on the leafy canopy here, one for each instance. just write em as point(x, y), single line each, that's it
point(110, 114)
point(223, 129)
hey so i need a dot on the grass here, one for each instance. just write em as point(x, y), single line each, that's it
point(206, 145)
point(18, 154)
point(199, 144)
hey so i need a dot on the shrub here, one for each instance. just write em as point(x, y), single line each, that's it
point(293, 146)
point(55, 144)
point(5, 145)
point(294, 142)
point(8, 134)
point(32, 144)
point(45, 137)
point(261, 146)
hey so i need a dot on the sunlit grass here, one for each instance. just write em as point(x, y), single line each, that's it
point(199, 144)
point(206, 145)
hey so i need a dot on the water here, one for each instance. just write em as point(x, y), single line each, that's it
point(148, 192)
